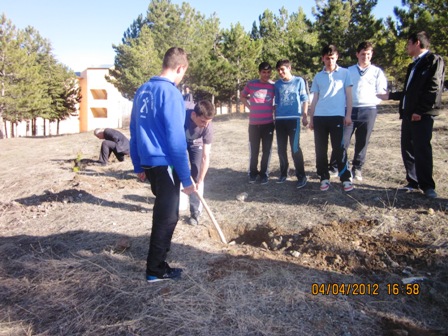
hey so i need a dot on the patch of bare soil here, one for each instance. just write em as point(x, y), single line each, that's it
point(74, 239)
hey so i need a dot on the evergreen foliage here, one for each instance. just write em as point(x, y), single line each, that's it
point(33, 83)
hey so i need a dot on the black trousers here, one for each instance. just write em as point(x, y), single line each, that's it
point(108, 147)
point(416, 151)
point(195, 157)
point(332, 127)
point(165, 185)
point(265, 134)
point(289, 129)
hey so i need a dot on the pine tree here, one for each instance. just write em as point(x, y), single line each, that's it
point(346, 23)
point(21, 83)
point(238, 54)
point(430, 16)
point(363, 27)
point(144, 44)
point(272, 31)
point(332, 23)
point(302, 42)
point(424, 15)
point(202, 75)
point(135, 62)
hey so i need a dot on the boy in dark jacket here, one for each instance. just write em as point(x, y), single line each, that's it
point(114, 142)
point(419, 101)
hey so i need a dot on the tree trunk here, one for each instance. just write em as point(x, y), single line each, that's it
point(2, 123)
point(45, 127)
point(2, 126)
point(33, 127)
point(13, 134)
point(6, 130)
point(57, 126)
point(238, 97)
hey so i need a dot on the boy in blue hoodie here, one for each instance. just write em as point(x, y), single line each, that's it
point(291, 105)
point(159, 153)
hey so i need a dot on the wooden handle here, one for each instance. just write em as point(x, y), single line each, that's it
point(210, 214)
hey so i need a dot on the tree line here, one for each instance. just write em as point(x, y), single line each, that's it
point(34, 84)
point(223, 60)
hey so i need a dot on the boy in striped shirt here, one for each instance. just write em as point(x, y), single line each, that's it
point(258, 97)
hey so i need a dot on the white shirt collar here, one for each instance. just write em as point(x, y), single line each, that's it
point(421, 55)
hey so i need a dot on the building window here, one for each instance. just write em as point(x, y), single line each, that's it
point(99, 94)
point(99, 112)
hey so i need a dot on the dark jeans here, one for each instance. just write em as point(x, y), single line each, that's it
point(165, 185)
point(332, 127)
point(416, 151)
point(195, 156)
point(265, 134)
point(363, 120)
point(285, 129)
point(107, 147)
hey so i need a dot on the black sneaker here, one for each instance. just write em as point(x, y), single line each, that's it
point(430, 193)
point(281, 179)
point(301, 182)
point(170, 274)
point(252, 179)
point(264, 180)
point(193, 221)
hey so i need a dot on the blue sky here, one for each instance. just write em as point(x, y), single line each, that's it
point(82, 32)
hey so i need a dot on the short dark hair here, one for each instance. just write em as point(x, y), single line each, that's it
point(366, 45)
point(264, 66)
point(283, 62)
point(329, 49)
point(423, 37)
point(205, 108)
point(174, 57)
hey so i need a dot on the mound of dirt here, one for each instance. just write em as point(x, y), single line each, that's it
point(349, 247)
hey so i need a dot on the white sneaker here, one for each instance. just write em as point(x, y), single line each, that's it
point(357, 175)
point(324, 185)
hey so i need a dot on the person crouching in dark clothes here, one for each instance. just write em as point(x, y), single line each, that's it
point(114, 141)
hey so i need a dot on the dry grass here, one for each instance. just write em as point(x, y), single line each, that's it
point(61, 272)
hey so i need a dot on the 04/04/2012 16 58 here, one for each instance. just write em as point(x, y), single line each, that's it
point(372, 289)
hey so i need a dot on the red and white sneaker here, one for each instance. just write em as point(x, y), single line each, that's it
point(348, 186)
point(324, 185)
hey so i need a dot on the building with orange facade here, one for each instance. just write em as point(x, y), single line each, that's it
point(102, 105)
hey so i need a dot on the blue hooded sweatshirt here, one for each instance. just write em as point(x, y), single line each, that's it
point(157, 128)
